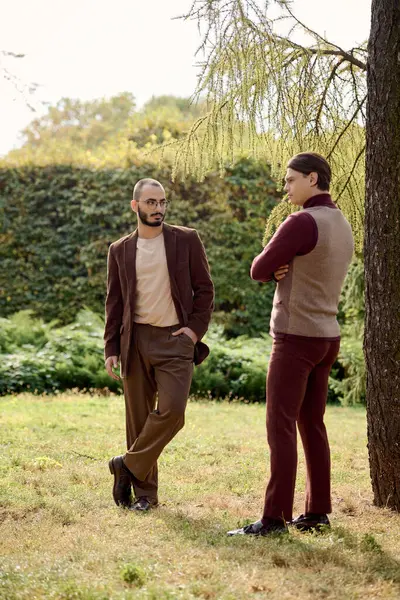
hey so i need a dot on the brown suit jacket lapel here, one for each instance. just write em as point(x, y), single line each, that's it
point(130, 266)
point(170, 251)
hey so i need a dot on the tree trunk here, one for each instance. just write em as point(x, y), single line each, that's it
point(382, 253)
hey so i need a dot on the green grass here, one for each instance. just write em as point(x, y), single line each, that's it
point(62, 537)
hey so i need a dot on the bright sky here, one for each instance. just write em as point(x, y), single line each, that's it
point(93, 48)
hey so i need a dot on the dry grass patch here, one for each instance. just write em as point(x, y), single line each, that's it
point(63, 538)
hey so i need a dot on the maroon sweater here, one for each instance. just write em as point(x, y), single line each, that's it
point(297, 236)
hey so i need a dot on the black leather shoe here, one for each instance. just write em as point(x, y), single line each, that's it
point(259, 528)
point(143, 503)
point(311, 522)
point(122, 481)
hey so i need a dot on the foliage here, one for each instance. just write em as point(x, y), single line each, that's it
point(58, 222)
point(22, 330)
point(46, 358)
point(71, 357)
point(162, 119)
point(348, 383)
point(353, 300)
point(133, 575)
point(86, 124)
point(351, 387)
point(235, 369)
point(233, 240)
point(103, 133)
point(269, 94)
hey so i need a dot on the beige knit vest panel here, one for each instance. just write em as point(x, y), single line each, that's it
point(306, 300)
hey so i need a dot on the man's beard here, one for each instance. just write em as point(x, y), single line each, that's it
point(145, 220)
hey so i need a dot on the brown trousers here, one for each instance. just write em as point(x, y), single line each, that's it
point(297, 389)
point(161, 365)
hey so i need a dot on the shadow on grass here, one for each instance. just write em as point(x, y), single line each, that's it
point(336, 547)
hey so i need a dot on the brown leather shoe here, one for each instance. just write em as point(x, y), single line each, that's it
point(259, 528)
point(122, 481)
point(311, 522)
point(143, 503)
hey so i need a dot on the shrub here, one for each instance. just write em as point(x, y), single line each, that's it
point(72, 356)
point(133, 575)
point(350, 388)
point(60, 358)
point(235, 369)
point(23, 330)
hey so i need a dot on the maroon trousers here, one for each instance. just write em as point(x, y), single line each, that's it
point(297, 389)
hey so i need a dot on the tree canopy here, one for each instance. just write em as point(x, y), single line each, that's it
point(104, 132)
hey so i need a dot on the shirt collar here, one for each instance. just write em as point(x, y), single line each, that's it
point(323, 199)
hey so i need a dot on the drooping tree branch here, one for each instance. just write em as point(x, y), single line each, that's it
point(329, 45)
point(23, 89)
point(271, 95)
point(346, 56)
point(359, 155)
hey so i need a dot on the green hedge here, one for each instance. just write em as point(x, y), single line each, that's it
point(58, 221)
point(46, 358)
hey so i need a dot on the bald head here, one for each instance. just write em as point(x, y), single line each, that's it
point(138, 189)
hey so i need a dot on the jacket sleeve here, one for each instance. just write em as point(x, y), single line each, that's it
point(297, 235)
point(113, 308)
point(202, 286)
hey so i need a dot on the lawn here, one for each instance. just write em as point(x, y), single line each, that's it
point(62, 537)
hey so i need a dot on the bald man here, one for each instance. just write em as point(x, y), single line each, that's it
point(159, 303)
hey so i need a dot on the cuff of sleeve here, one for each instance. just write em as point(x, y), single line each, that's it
point(111, 350)
point(198, 328)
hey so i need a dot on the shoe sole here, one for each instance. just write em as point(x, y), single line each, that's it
point(310, 529)
point(151, 507)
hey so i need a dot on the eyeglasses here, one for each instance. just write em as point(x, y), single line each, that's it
point(155, 203)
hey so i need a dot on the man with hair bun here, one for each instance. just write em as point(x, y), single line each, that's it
point(158, 307)
point(308, 258)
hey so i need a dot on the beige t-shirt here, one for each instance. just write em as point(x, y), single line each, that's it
point(154, 304)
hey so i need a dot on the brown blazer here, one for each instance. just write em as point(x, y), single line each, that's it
point(191, 288)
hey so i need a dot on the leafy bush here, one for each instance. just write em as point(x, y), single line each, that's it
point(348, 378)
point(57, 359)
point(23, 330)
point(350, 388)
point(235, 368)
point(134, 575)
point(60, 358)
point(72, 357)
point(27, 371)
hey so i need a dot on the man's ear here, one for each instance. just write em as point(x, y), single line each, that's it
point(314, 179)
point(134, 205)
